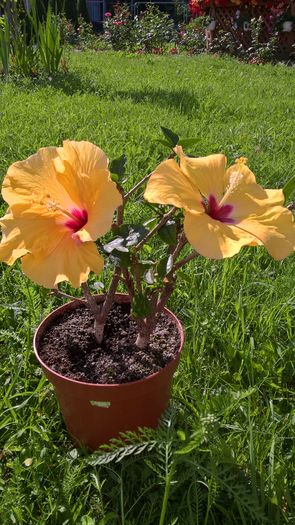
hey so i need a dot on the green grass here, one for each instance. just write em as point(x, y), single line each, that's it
point(225, 451)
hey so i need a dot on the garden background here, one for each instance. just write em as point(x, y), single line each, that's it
point(224, 453)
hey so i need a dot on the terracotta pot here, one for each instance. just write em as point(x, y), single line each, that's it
point(95, 413)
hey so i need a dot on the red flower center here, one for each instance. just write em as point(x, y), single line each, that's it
point(216, 212)
point(79, 219)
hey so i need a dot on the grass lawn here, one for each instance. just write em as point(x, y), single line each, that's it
point(225, 451)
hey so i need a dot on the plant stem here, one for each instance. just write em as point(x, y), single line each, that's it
point(58, 293)
point(152, 232)
point(166, 494)
point(136, 187)
point(184, 261)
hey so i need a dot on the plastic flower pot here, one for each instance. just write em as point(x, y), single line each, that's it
point(95, 413)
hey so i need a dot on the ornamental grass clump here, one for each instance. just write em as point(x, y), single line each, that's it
point(64, 200)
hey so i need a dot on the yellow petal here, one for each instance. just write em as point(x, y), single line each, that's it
point(82, 168)
point(275, 228)
point(206, 173)
point(35, 233)
point(101, 213)
point(275, 197)
point(30, 181)
point(214, 239)
point(169, 185)
point(70, 261)
point(12, 245)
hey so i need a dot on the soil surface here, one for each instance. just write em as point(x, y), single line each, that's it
point(69, 347)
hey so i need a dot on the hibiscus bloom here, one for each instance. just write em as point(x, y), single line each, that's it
point(224, 209)
point(60, 201)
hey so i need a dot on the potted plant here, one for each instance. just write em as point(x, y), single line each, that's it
point(111, 357)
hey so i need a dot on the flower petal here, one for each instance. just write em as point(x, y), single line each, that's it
point(70, 261)
point(214, 239)
point(29, 181)
point(12, 245)
point(31, 232)
point(275, 228)
point(81, 168)
point(169, 185)
point(207, 174)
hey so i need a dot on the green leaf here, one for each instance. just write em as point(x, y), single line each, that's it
point(164, 142)
point(164, 266)
point(131, 233)
point(171, 137)
point(186, 143)
point(117, 166)
point(120, 258)
point(289, 189)
point(114, 177)
point(140, 306)
point(168, 233)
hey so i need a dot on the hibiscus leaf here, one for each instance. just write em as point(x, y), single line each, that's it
point(164, 142)
point(117, 166)
point(168, 233)
point(289, 189)
point(131, 233)
point(120, 258)
point(140, 306)
point(186, 143)
point(164, 266)
point(171, 137)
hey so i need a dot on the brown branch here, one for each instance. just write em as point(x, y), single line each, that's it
point(109, 298)
point(90, 299)
point(136, 187)
point(152, 232)
point(58, 293)
point(184, 261)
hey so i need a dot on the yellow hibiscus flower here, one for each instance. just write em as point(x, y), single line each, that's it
point(224, 209)
point(60, 201)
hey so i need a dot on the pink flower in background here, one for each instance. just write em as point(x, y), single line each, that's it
point(108, 14)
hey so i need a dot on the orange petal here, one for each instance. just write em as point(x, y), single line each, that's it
point(214, 239)
point(169, 185)
point(207, 174)
point(39, 233)
point(70, 261)
point(30, 181)
point(101, 212)
point(275, 228)
point(12, 245)
point(82, 168)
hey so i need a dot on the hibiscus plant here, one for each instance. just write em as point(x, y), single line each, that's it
point(64, 200)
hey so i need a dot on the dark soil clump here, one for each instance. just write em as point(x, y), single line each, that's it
point(69, 347)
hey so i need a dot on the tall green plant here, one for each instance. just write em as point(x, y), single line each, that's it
point(48, 38)
point(50, 47)
point(4, 44)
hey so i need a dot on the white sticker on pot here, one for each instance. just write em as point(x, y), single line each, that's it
point(101, 404)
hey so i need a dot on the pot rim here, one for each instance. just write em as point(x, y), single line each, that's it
point(125, 298)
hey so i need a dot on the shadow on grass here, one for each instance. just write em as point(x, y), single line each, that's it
point(182, 100)
point(71, 83)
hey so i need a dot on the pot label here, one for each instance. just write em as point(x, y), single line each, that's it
point(101, 404)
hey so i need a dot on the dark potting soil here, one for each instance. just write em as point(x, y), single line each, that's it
point(69, 347)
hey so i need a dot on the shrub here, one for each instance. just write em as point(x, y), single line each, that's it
point(154, 29)
point(118, 29)
point(191, 36)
